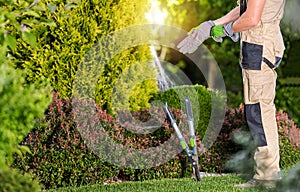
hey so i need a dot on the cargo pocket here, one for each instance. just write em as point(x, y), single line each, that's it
point(261, 85)
point(255, 93)
point(251, 56)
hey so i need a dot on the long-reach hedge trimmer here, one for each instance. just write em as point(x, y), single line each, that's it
point(191, 154)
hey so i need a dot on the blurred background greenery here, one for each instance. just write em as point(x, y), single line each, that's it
point(42, 44)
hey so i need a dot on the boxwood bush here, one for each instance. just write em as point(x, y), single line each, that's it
point(200, 98)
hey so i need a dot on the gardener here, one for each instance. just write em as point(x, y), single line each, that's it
point(261, 52)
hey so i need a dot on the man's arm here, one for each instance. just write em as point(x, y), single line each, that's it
point(248, 20)
point(233, 15)
point(251, 17)
point(228, 25)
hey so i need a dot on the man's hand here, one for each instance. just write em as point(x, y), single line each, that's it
point(219, 32)
point(196, 37)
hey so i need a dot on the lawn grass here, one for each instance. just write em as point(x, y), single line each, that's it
point(207, 184)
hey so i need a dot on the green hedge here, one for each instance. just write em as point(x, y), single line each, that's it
point(200, 98)
point(77, 27)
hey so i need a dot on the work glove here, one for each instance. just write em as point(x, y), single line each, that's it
point(196, 37)
point(219, 32)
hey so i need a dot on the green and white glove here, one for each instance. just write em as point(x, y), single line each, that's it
point(219, 32)
point(196, 37)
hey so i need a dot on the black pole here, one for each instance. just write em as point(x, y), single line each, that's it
point(243, 6)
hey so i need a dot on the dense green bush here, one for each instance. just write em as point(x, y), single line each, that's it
point(78, 26)
point(12, 180)
point(20, 105)
point(17, 19)
point(200, 98)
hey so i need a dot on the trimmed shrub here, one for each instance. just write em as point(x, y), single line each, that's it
point(60, 157)
point(200, 98)
point(289, 140)
point(225, 146)
point(12, 180)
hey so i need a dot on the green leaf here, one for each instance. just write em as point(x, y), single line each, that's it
point(30, 22)
point(1, 38)
point(69, 6)
point(29, 38)
point(31, 13)
point(24, 149)
point(11, 42)
point(12, 19)
point(48, 22)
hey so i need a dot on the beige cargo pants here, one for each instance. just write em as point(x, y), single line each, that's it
point(258, 61)
point(259, 93)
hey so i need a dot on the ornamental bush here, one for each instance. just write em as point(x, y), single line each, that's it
point(60, 155)
point(287, 99)
point(64, 45)
point(200, 98)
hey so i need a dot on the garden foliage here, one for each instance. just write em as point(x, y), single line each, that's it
point(20, 105)
point(287, 99)
point(20, 102)
point(12, 180)
point(77, 28)
point(61, 157)
point(55, 49)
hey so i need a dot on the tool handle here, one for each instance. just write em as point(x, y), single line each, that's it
point(169, 114)
point(188, 108)
point(182, 141)
point(243, 6)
